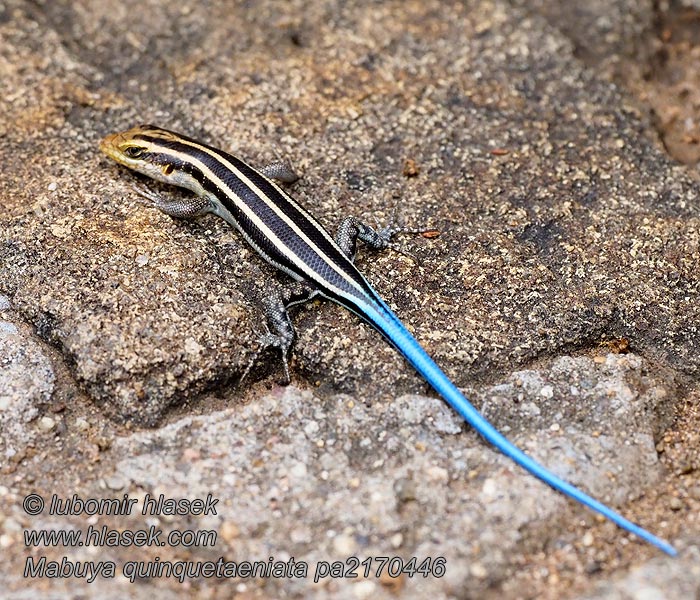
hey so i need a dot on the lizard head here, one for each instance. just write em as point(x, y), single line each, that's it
point(144, 148)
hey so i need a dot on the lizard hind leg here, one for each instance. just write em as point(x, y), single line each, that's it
point(279, 331)
point(352, 229)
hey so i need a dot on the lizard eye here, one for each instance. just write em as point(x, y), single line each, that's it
point(133, 151)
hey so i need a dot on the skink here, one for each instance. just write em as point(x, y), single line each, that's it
point(292, 240)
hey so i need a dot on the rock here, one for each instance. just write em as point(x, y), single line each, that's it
point(557, 282)
point(26, 385)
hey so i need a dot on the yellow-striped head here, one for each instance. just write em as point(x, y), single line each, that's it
point(143, 148)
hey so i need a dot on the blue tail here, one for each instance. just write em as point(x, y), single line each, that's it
point(381, 317)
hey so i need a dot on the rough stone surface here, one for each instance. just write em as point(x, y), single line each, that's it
point(602, 396)
point(26, 385)
point(659, 578)
point(565, 233)
point(319, 479)
point(610, 36)
point(651, 49)
point(580, 231)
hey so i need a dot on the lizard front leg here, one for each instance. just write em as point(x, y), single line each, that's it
point(180, 208)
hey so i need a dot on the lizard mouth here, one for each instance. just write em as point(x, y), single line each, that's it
point(110, 146)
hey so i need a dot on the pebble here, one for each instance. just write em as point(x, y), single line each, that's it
point(6, 327)
point(229, 531)
point(437, 474)
point(364, 589)
point(489, 487)
point(593, 567)
point(405, 489)
point(478, 570)
point(311, 429)
point(298, 471)
point(344, 544)
point(300, 535)
point(82, 424)
point(547, 391)
point(115, 483)
point(11, 525)
point(46, 423)
point(191, 455)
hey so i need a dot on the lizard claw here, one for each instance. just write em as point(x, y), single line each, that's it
point(146, 194)
point(395, 227)
point(269, 340)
